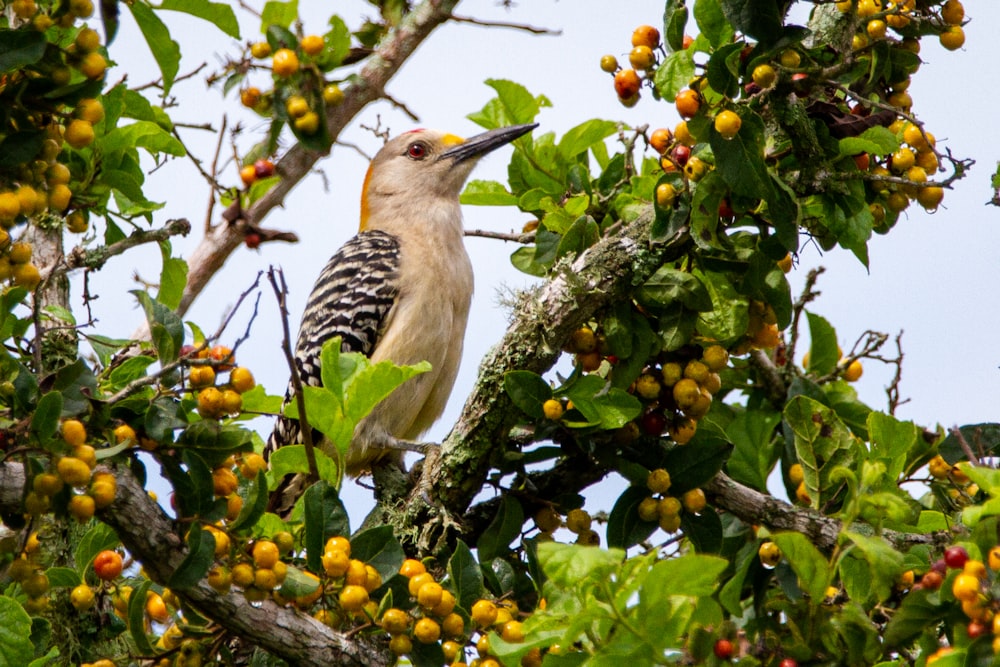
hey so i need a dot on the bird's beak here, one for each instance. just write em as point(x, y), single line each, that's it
point(481, 144)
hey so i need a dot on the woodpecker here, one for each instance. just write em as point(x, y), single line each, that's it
point(400, 290)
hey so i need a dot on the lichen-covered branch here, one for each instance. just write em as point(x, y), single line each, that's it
point(151, 537)
point(758, 508)
point(220, 242)
point(579, 289)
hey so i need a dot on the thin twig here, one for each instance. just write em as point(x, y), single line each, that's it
point(401, 106)
point(281, 292)
point(147, 380)
point(964, 444)
point(503, 24)
point(95, 258)
point(522, 238)
point(211, 177)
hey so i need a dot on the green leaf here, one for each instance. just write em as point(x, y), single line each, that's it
point(740, 160)
point(374, 382)
point(712, 23)
point(325, 517)
point(166, 328)
point(822, 444)
point(823, 349)
point(669, 285)
point(876, 140)
point(756, 19)
point(487, 193)
point(165, 51)
point(379, 548)
point(625, 528)
point(891, 439)
point(513, 105)
point(693, 575)
point(15, 634)
point(136, 616)
point(703, 530)
point(292, 459)
point(142, 134)
point(582, 234)
point(579, 139)
point(218, 13)
point(807, 562)
point(200, 556)
point(705, 203)
point(254, 504)
point(609, 407)
point(692, 465)
point(465, 575)
point(297, 584)
point(19, 147)
point(63, 577)
point(527, 391)
point(728, 319)
point(919, 610)
point(20, 48)
point(674, 73)
point(173, 278)
point(885, 562)
point(675, 16)
point(572, 565)
point(754, 447)
point(732, 590)
point(45, 421)
point(503, 529)
point(258, 400)
point(279, 13)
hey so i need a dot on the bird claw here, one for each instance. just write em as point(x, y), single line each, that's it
point(394, 444)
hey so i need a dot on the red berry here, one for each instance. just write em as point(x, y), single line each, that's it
point(975, 629)
point(723, 649)
point(654, 423)
point(939, 566)
point(726, 209)
point(263, 168)
point(252, 240)
point(680, 154)
point(955, 557)
point(788, 662)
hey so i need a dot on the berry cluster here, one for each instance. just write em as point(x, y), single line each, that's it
point(51, 108)
point(214, 400)
point(666, 509)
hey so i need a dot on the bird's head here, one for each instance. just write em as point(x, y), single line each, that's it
point(428, 164)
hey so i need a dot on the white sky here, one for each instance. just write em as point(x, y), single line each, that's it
point(932, 277)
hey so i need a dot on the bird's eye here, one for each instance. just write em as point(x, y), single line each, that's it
point(417, 150)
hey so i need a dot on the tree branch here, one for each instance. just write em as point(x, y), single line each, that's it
point(755, 507)
point(150, 536)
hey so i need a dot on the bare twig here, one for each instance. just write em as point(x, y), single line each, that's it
point(808, 295)
point(401, 106)
point(523, 238)
point(964, 444)
point(892, 391)
point(211, 177)
point(276, 276)
point(503, 24)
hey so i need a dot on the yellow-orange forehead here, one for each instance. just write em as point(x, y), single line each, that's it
point(452, 140)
